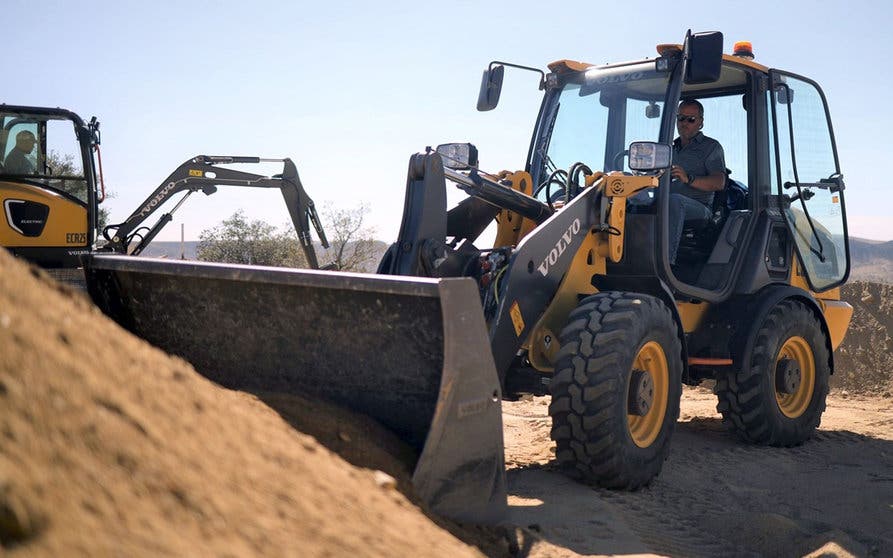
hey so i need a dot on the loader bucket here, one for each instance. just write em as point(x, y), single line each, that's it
point(411, 353)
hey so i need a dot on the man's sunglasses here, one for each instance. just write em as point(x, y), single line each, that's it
point(689, 119)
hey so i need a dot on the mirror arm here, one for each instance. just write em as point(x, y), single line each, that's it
point(529, 68)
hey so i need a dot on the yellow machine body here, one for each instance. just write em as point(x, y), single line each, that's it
point(64, 227)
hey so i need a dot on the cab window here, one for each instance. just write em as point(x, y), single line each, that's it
point(726, 121)
point(808, 179)
point(43, 149)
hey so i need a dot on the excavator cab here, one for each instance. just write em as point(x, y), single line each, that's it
point(48, 184)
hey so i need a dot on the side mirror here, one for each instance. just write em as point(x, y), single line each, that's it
point(704, 57)
point(491, 87)
point(648, 155)
point(458, 156)
point(93, 126)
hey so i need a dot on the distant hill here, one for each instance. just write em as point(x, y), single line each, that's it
point(871, 260)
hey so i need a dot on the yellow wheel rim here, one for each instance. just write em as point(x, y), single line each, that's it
point(794, 404)
point(645, 429)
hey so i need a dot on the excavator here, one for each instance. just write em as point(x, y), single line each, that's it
point(51, 202)
point(577, 297)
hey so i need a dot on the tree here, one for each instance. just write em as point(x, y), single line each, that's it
point(352, 246)
point(63, 165)
point(237, 240)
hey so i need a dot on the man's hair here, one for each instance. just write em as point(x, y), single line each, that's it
point(693, 103)
point(21, 135)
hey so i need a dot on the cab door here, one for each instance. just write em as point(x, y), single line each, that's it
point(807, 179)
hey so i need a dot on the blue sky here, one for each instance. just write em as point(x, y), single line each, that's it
point(349, 90)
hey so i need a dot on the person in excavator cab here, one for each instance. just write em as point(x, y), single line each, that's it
point(698, 170)
point(17, 162)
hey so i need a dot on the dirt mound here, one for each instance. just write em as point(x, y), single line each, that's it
point(864, 361)
point(111, 447)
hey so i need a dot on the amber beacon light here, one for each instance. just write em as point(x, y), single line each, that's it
point(743, 49)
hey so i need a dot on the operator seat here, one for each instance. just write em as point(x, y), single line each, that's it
point(699, 236)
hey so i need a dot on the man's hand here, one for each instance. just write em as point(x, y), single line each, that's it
point(678, 173)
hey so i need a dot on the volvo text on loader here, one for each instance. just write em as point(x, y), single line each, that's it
point(51, 203)
point(577, 296)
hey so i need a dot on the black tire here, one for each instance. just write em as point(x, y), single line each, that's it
point(756, 403)
point(598, 441)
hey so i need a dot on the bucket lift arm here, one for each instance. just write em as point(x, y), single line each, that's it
point(204, 173)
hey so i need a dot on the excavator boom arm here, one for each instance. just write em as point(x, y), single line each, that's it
point(204, 173)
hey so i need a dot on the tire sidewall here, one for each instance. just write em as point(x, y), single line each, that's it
point(636, 455)
point(796, 322)
point(608, 330)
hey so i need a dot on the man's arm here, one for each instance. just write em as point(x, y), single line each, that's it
point(710, 183)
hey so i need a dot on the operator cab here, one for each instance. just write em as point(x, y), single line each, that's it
point(47, 184)
point(782, 184)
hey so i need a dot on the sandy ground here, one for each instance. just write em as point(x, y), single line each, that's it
point(716, 496)
point(109, 447)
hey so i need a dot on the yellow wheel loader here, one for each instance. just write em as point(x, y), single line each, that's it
point(577, 297)
point(51, 188)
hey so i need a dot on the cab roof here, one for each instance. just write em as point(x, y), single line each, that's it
point(566, 65)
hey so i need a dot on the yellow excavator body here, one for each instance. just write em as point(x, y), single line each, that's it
point(37, 217)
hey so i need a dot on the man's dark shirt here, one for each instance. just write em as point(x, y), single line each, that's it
point(702, 156)
point(17, 163)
